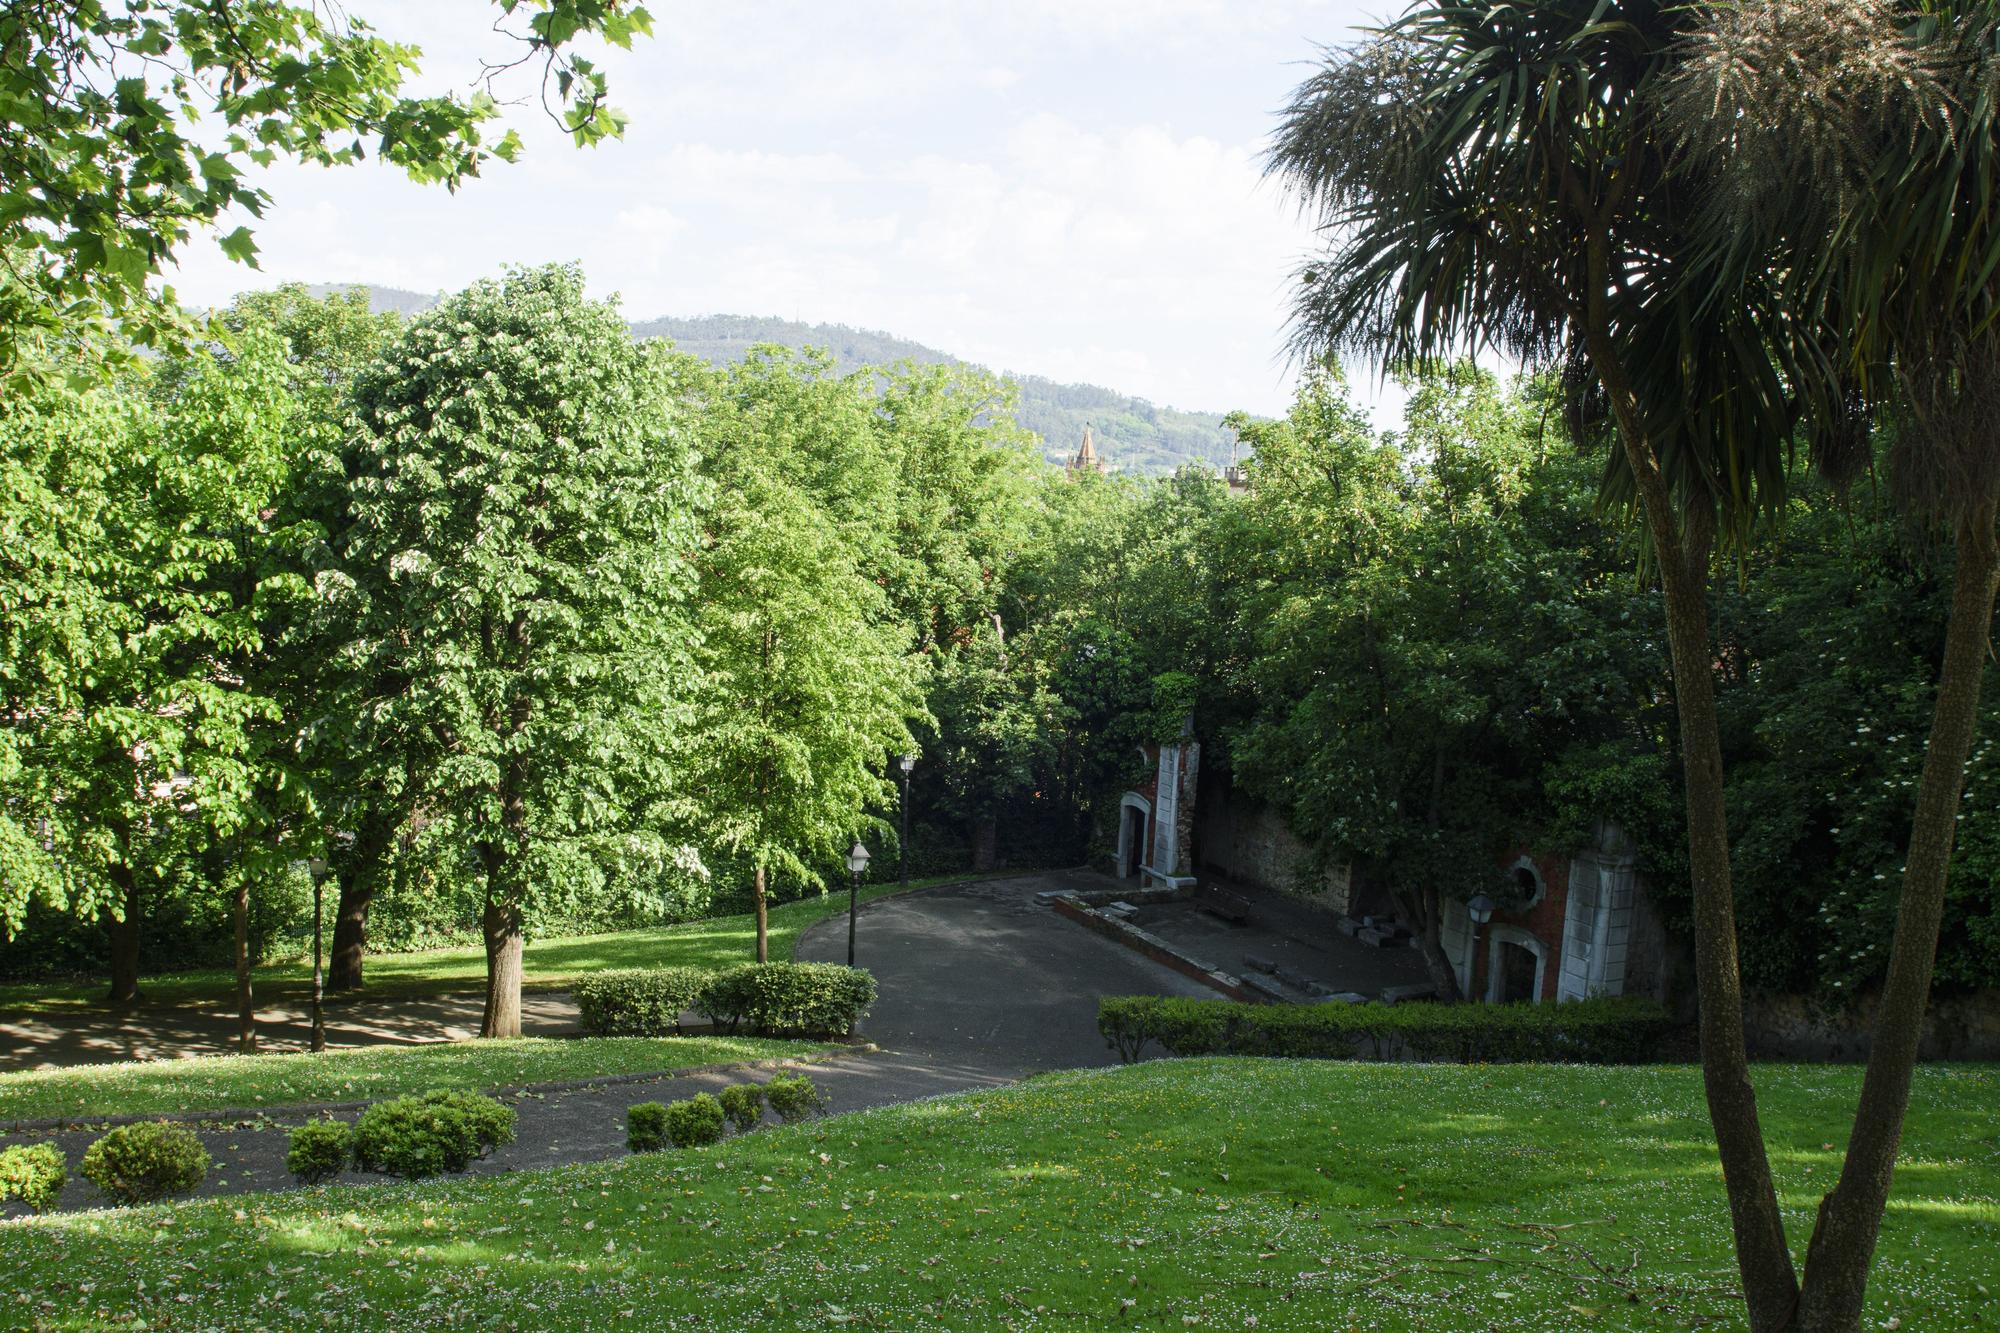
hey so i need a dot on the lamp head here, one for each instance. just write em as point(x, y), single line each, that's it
point(857, 857)
point(907, 762)
point(1480, 908)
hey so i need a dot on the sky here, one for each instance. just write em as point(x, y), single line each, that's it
point(1069, 188)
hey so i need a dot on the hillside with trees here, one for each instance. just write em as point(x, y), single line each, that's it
point(1133, 435)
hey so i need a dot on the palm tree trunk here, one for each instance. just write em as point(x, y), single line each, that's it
point(1850, 1218)
point(1770, 1284)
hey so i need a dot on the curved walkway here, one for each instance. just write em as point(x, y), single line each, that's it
point(980, 985)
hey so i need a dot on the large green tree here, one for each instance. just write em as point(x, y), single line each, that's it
point(524, 519)
point(809, 679)
point(133, 124)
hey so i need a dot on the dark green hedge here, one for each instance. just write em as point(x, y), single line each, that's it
point(810, 999)
point(1607, 1031)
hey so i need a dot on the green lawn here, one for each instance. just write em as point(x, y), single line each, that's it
point(360, 1074)
point(714, 942)
point(1223, 1194)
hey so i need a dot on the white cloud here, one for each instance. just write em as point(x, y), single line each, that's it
point(1059, 189)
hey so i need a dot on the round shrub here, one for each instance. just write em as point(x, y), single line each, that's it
point(743, 1103)
point(319, 1151)
point(145, 1162)
point(794, 1097)
point(694, 1122)
point(645, 1127)
point(432, 1135)
point(638, 1002)
point(34, 1173)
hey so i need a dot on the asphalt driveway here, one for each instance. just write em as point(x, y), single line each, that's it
point(982, 981)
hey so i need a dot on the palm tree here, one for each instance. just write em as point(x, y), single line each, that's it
point(1857, 147)
point(1497, 174)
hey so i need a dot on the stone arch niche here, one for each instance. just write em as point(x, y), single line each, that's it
point(1135, 813)
point(1516, 963)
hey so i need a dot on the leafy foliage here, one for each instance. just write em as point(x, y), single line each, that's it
point(435, 1134)
point(319, 1150)
point(134, 125)
point(146, 1162)
point(34, 1173)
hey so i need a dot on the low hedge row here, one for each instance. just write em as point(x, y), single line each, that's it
point(699, 1120)
point(808, 999)
point(1602, 1031)
point(415, 1137)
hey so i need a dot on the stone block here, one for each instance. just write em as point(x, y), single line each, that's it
point(1268, 989)
point(1256, 964)
point(1348, 926)
point(1422, 990)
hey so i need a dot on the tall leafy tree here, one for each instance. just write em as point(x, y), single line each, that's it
point(133, 125)
point(1500, 174)
point(809, 679)
point(328, 341)
point(524, 521)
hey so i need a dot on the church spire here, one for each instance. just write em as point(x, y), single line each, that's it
point(1085, 459)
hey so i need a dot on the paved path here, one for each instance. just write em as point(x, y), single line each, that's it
point(163, 1032)
point(980, 985)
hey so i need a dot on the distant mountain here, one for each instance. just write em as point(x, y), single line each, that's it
point(1132, 434)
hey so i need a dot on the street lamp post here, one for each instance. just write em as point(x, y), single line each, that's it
point(857, 861)
point(1480, 909)
point(316, 867)
point(907, 762)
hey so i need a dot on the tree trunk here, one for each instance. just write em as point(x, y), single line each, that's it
point(360, 873)
point(246, 1006)
point(1423, 910)
point(986, 844)
point(125, 937)
point(1850, 1218)
point(502, 928)
point(763, 916)
point(1683, 540)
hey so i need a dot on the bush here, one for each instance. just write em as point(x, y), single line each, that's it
point(794, 1097)
point(743, 1103)
point(142, 1163)
point(319, 1151)
point(431, 1135)
point(1605, 1031)
point(645, 1127)
point(694, 1122)
point(639, 1002)
point(811, 999)
point(33, 1173)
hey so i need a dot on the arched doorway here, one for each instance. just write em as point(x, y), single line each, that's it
point(1134, 814)
point(1514, 961)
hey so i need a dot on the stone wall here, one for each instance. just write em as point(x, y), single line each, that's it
point(1794, 1027)
point(1249, 842)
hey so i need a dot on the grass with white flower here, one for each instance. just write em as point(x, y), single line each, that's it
point(1222, 1194)
point(362, 1073)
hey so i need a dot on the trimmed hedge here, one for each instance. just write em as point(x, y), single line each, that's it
point(318, 1150)
point(645, 1127)
point(804, 999)
point(794, 1097)
point(1603, 1031)
point(146, 1162)
point(432, 1135)
point(33, 1173)
point(693, 1123)
point(743, 1103)
point(639, 1002)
